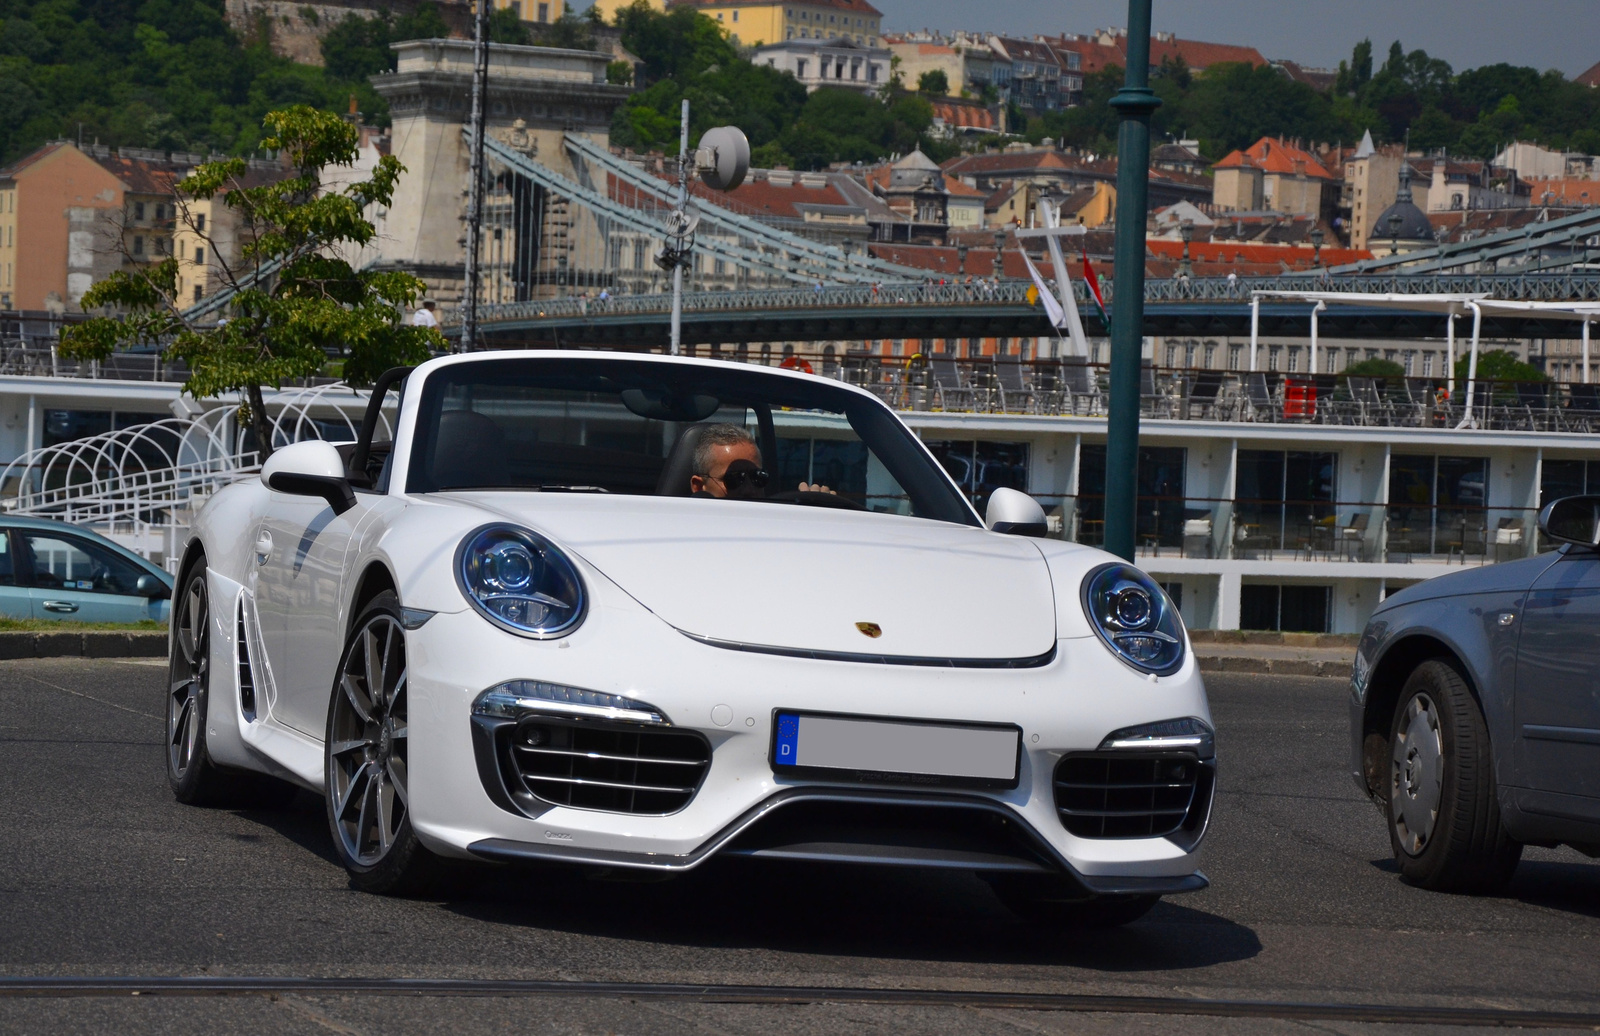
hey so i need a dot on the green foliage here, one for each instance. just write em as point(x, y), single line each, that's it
point(619, 73)
point(934, 82)
point(297, 301)
point(1375, 368)
point(684, 54)
point(170, 74)
point(1498, 365)
point(569, 32)
point(505, 26)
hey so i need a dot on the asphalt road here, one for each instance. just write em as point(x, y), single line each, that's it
point(102, 874)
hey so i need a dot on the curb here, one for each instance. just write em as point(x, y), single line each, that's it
point(1274, 666)
point(1299, 640)
point(87, 644)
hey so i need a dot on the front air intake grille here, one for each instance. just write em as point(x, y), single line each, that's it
point(595, 764)
point(1133, 794)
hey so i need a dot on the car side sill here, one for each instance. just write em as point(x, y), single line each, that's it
point(1576, 735)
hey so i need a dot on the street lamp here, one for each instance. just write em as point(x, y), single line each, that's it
point(1134, 103)
point(1394, 233)
point(961, 256)
point(1186, 231)
point(999, 252)
point(1316, 247)
point(721, 161)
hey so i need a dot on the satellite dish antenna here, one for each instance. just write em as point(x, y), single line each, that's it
point(723, 158)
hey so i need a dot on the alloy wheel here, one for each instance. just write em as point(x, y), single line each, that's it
point(1416, 774)
point(367, 742)
point(189, 673)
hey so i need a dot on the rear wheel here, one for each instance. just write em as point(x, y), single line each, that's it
point(366, 754)
point(1055, 901)
point(194, 778)
point(190, 772)
point(1444, 812)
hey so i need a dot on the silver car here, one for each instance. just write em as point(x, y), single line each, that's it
point(1475, 710)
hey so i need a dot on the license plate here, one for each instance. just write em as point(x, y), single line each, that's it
point(854, 748)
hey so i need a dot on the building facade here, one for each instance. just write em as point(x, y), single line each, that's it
point(833, 63)
point(757, 22)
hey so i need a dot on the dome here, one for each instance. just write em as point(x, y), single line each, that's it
point(1402, 221)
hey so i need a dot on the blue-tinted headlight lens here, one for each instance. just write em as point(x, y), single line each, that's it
point(1134, 618)
point(520, 581)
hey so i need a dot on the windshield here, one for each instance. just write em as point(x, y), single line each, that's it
point(654, 429)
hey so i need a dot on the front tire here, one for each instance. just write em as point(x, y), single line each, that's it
point(366, 753)
point(1056, 902)
point(1443, 808)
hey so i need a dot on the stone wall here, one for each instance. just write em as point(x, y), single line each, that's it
point(295, 30)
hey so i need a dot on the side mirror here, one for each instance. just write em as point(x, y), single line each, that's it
point(151, 587)
point(1572, 519)
point(1014, 513)
point(310, 468)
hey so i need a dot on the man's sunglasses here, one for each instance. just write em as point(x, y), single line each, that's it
point(737, 476)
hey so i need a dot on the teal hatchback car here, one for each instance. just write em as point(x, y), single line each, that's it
point(52, 570)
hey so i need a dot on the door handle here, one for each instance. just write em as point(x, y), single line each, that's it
point(263, 547)
point(60, 606)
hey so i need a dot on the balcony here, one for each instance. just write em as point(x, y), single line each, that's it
point(943, 382)
point(1311, 531)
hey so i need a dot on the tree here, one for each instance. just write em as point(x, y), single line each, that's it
point(505, 26)
point(296, 301)
point(569, 32)
point(1498, 365)
point(934, 82)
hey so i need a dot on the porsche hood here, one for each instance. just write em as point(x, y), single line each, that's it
point(807, 578)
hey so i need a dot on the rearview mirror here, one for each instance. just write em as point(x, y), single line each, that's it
point(310, 468)
point(151, 587)
point(1572, 519)
point(1017, 514)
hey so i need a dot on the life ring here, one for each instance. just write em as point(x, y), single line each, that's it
point(797, 363)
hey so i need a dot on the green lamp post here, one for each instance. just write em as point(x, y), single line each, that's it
point(1134, 103)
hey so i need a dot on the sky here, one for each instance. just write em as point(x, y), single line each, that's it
point(1562, 34)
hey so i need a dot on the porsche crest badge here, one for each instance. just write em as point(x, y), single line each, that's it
point(871, 629)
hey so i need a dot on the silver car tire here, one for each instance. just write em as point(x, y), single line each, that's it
point(1442, 805)
point(365, 754)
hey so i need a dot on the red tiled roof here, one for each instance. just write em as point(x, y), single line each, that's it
point(1233, 253)
point(1272, 155)
point(1200, 56)
point(961, 190)
point(1591, 77)
point(1007, 161)
point(974, 116)
point(27, 160)
point(1580, 193)
point(1092, 57)
point(142, 176)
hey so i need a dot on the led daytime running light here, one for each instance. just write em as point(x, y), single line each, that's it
point(517, 698)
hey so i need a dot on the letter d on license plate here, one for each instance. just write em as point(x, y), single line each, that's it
point(855, 748)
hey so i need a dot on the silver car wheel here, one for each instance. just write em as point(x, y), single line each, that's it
point(367, 743)
point(1416, 768)
point(189, 672)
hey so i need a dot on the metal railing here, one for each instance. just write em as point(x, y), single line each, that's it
point(1569, 286)
point(1288, 531)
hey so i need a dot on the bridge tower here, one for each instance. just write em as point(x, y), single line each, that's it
point(534, 245)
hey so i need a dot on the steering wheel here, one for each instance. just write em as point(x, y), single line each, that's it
point(810, 498)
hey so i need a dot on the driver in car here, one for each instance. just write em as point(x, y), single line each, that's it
point(727, 464)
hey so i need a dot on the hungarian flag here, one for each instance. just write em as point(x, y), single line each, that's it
point(1094, 289)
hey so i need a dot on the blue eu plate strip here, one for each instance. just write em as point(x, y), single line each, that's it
point(787, 749)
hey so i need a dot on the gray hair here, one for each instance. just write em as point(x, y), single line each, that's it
point(716, 435)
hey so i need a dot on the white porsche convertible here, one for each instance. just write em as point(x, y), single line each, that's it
point(637, 612)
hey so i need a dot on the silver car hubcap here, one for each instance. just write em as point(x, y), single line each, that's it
point(189, 669)
point(367, 742)
point(1416, 775)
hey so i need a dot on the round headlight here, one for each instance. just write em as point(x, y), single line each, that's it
point(1134, 617)
point(520, 581)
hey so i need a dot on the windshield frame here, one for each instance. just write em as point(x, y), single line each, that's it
point(903, 453)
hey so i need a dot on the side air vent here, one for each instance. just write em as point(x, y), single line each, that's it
point(247, 683)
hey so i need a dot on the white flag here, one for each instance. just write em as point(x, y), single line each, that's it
point(1052, 305)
